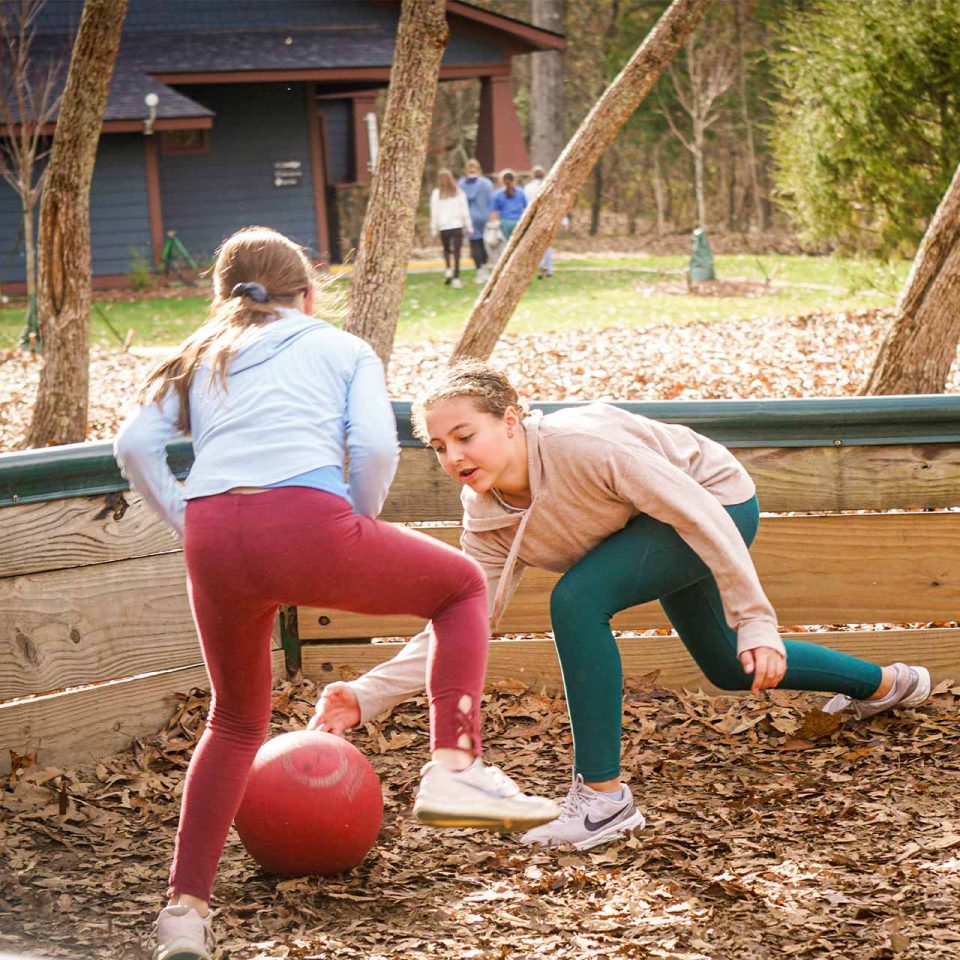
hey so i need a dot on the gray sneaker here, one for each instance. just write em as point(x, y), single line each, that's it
point(182, 934)
point(910, 688)
point(587, 819)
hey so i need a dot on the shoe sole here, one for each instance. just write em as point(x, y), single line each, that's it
point(435, 818)
point(181, 951)
point(636, 822)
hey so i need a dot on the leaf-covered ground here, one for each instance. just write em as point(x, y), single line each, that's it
point(772, 832)
point(822, 355)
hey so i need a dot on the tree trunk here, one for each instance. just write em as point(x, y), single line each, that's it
point(698, 148)
point(30, 251)
point(60, 413)
point(536, 230)
point(921, 345)
point(546, 89)
point(756, 207)
point(658, 192)
point(596, 201)
point(381, 268)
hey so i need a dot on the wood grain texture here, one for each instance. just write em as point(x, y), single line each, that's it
point(79, 531)
point(838, 569)
point(85, 530)
point(788, 479)
point(100, 622)
point(535, 661)
point(77, 726)
point(65, 628)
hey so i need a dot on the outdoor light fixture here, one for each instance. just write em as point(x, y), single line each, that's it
point(151, 100)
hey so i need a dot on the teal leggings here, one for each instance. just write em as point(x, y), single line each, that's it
point(647, 560)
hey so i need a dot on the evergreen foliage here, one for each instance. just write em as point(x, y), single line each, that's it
point(867, 126)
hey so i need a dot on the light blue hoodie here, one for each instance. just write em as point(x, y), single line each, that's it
point(285, 412)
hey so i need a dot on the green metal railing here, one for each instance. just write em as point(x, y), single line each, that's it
point(88, 469)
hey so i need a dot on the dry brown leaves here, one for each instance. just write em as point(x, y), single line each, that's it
point(812, 356)
point(769, 834)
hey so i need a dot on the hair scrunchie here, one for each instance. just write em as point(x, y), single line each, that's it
point(255, 291)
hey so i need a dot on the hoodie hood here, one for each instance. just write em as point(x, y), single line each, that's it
point(274, 338)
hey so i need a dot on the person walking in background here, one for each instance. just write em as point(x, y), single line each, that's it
point(479, 193)
point(532, 190)
point(450, 217)
point(509, 202)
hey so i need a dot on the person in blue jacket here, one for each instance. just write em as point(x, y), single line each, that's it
point(509, 202)
point(479, 191)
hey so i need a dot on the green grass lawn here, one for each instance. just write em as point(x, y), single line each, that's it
point(578, 296)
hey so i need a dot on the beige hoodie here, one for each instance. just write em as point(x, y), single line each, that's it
point(592, 469)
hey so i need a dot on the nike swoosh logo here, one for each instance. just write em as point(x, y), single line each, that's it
point(593, 826)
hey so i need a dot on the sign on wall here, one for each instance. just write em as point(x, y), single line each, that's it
point(287, 173)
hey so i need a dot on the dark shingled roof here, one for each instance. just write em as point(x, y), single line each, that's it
point(142, 55)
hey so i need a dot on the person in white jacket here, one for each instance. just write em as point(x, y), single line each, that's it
point(449, 217)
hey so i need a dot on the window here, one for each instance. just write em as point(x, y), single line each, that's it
point(182, 142)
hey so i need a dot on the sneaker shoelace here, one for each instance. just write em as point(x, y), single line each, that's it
point(573, 804)
point(505, 786)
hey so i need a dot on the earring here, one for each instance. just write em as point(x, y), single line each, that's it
point(509, 434)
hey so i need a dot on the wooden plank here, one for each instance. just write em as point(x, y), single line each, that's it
point(69, 627)
point(64, 628)
point(535, 661)
point(789, 479)
point(77, 726)
point(86, 530)
point(78, 531)
point(871, 568)
point(800, 479)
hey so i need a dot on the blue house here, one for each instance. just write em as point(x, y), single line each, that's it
point(259, 115)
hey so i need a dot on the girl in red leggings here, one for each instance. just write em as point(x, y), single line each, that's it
point(273, 398)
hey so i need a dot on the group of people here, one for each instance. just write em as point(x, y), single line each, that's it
point(276, 398)
point(471, 207)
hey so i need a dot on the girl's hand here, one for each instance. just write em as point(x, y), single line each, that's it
point(767, 666)
point(337, 710)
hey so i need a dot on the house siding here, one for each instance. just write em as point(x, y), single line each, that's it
point(119, 217)
point(206, 198)
point(339, 124)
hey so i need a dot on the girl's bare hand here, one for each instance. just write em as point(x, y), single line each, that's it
point(766, 665)
point(337, 710)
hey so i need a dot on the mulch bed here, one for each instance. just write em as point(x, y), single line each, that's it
point(819, 355)
point(773, 830)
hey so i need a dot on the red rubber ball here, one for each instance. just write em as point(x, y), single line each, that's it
point(313, 805)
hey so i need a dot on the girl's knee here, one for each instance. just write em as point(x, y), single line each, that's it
point(570, 603)
point(471, 577)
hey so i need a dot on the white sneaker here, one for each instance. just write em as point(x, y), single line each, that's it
point(910, 688)
point(182, 934)
point(455, 283)
point(587, 819)
point(447, 275)
point(480, 796)
point(483, 275)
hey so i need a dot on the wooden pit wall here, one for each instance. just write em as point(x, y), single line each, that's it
point(834, 567)
point(97, 637)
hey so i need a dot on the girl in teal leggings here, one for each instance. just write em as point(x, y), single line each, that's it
point(629, 510)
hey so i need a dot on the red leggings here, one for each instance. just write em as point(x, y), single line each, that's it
point(246, 554)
